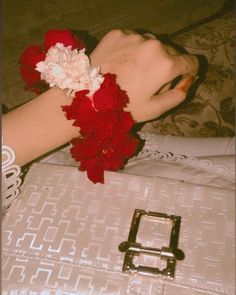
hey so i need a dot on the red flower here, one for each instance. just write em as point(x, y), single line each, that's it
point(82, 112)
point(32, 55)
point(29, 75)
point(99, 155)
point(28, 60)
point(62, 36)
point(95, 171)
point(106, 142)
point(106, 125)
point(80, 107)
point(126, 121)
point(110, 96)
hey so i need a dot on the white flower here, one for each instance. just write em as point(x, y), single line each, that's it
point(69, 70)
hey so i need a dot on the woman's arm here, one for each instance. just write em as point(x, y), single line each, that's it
point(142, 67)
point(38, 126)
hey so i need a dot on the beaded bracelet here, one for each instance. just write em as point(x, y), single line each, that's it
point(106, 141)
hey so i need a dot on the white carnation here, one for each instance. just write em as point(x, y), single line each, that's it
point(69, 70)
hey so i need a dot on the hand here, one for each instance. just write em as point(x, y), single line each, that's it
point(145, 68)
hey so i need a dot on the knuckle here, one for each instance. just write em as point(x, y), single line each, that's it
point(152, 47)
point(114, 34)
point(153, 44)
point(135, 37)
point(129, 35)
point(155, 49)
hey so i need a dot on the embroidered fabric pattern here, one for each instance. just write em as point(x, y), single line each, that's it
point(11, 180)
point(98, 102)
point(66, 241)
point(150, 150)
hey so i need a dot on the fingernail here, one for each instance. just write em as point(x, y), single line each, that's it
point(188, 82)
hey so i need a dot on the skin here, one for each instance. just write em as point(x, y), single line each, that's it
point(138, 61)
point(40, 126)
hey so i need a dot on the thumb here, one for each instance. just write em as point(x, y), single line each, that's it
point(163, 102)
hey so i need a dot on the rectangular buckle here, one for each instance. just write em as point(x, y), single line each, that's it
point(171, 254)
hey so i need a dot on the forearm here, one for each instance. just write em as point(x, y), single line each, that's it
point(38, 126)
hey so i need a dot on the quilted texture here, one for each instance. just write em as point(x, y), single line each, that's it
point(62, 235)
point(211, 112)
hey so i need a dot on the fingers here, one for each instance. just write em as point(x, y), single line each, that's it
point(185, 83)
point(182, 64)
point(192, 64)
point(163, 102)
point(118, 41)
point(167, 60)
point(121, 39)
point(189, 62)
point(185, 64)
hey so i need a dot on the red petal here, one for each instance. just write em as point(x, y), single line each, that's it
point(32, 55)
point(126, 121)
point(29, 75)
point(96, 174)
point(110, 96)
point(85, 148)
point(63, 36)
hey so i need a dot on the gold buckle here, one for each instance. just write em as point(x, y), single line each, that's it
point(171, 254)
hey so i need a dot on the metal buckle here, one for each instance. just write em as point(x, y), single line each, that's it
point(171, 254)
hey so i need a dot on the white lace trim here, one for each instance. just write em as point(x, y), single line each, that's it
point(11, 180)
point(150, 150)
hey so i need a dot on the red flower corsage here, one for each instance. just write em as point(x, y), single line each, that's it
point(97, 108)
point(105, 127)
